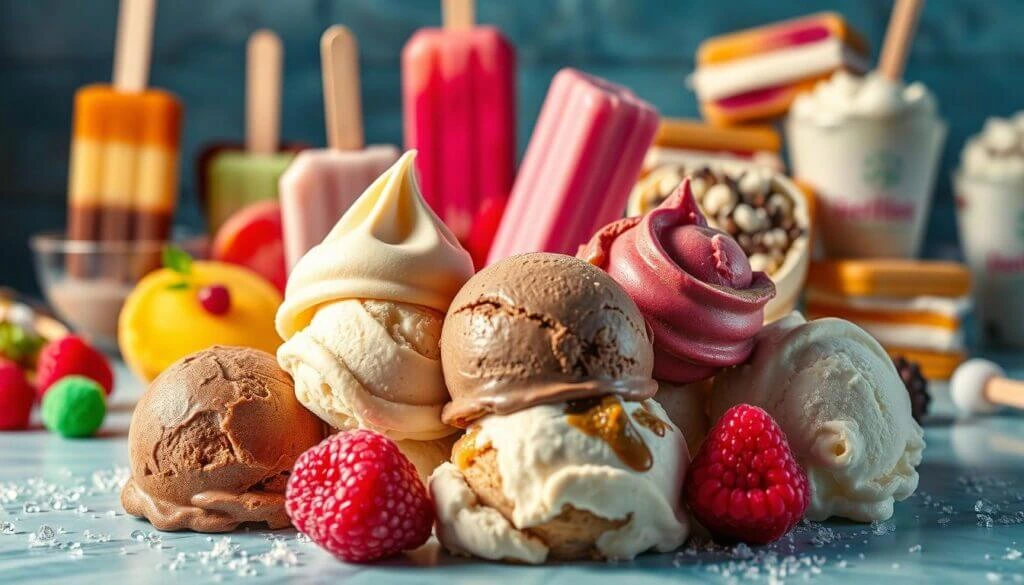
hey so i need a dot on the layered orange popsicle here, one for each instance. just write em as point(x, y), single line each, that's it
point(123, 180)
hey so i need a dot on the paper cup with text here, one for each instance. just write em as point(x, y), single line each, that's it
point(990, 215)
point(873, 179)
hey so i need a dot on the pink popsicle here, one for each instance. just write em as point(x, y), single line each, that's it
point(458, 98)
point(320, 185)
point(583, 159)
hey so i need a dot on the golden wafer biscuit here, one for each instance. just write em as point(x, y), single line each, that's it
point(698, 135)
point(935, 365)
point(890, 278)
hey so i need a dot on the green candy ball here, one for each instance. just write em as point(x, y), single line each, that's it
point(74, 407)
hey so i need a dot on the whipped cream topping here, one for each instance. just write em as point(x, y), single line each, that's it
point(846, 96)
point(997, 152)
point(388, 246)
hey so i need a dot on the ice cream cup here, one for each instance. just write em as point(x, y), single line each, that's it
point(990, 215)
point(91, 302)
point(873, 177)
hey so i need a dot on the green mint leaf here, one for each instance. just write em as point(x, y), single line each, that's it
point(177, 260)
point(178, 286)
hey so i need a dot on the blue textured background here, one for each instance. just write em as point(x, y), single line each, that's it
point(969, 52)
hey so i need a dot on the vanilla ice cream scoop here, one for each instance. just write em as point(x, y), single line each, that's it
point(843, 407)
point(363, 312)
point(371, 364)
point(594, 478)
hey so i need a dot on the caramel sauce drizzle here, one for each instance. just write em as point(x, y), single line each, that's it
point(464, 451)
point(650, 421)
point(606, 419)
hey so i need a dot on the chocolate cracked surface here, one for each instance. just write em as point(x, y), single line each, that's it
point(212, 442)
point(541, 328)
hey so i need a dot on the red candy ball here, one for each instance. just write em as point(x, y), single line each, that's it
point(215, 299)
point(16, 397)
point(72, 356)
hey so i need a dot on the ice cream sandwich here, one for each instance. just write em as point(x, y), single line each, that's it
point(913, 308)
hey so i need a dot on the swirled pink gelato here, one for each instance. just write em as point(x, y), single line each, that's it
point(693, 284)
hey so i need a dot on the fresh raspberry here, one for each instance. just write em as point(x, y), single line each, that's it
point(16, 397)
point(744, 484)
point(356, 495)
point(72, 356)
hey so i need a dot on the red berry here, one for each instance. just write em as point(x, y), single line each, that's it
point(72, 356)
point(744, 484)
point(215, 299)
point(16, 397)
point(356, 495)
point(253, 237)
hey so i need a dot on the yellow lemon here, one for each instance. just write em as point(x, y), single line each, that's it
point(163, 320)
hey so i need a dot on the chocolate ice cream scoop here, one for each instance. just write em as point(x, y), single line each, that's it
point(542, 328)
point(213, 440)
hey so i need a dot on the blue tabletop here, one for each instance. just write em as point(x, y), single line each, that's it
point(60, 516)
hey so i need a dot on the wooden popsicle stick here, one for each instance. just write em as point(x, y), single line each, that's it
point(1005, 392)
point(898, 38)
point(343, 110)
point(458, 14)
point(264, 55)
point(133, 46)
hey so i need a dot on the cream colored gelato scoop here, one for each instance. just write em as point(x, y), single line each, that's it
point(838, 397)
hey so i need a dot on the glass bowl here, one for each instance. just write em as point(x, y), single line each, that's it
point(86, 282)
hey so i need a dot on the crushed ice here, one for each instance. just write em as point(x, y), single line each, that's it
point(809, 551)
point(226, 557)
point(812, 549)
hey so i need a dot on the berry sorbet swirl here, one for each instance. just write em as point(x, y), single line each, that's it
point(692, 283)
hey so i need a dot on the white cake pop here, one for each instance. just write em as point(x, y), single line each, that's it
point(980, 387)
